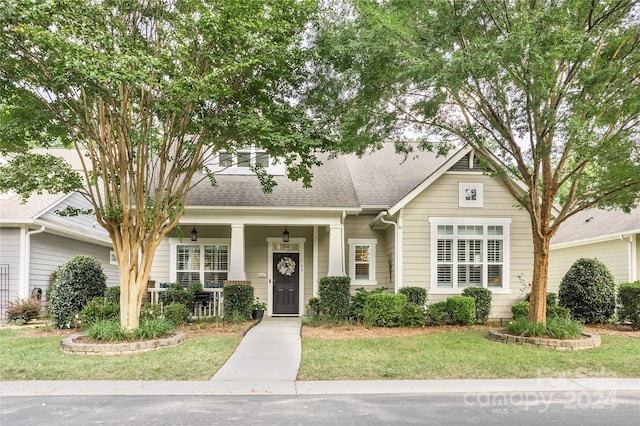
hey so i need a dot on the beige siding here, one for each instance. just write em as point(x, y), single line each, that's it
point(441, 200)
point(10, 249)
point(614, 254)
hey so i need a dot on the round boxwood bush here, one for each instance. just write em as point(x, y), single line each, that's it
point(462, 310)
point(415, 295)
point(385, 309)
point(77, 282)
point(589, 291)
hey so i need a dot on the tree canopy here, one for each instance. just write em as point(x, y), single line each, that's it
point(148, 91)
point(547, 92)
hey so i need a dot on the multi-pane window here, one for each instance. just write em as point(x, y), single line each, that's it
point(468, 254)
point(245, 157)
point(206, 263)
point(362, 260)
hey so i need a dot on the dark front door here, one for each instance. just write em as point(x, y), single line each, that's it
point(286, 278)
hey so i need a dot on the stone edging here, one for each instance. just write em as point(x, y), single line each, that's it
point(589, 341)
point(69, 345)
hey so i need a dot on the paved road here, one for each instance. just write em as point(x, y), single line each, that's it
point(533, 408)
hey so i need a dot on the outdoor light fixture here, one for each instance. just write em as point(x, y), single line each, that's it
point(194, 234)
point(285, 235)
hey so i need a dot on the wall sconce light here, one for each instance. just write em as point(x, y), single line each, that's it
point(194, 234)
point(285, 235)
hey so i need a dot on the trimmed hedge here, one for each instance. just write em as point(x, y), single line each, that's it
point(385, 310)
point(482, 298)
point(358, 300)
point(335, 297)
point(77, 282)
point(462, 310)
point(629, 303)
point(415, 295)
point(176, 293)
point(589, 291)
point(238, 301)
point(437, 313)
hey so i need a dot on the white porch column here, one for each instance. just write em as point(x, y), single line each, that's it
point(236, 255)
point(336, 251)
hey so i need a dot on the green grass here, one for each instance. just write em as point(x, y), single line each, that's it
point(460, 355)
point(40, 358)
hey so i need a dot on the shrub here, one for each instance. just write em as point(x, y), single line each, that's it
point(78, 281)
point(108, 330)
point(195, 287)
point(385, 309)
point(415, 295)
point(589, 291)
point(112, 294)
point(335, 297)
point(176, 293)
point(437, 314)
point(238, 302)
point(23, 310)
point(413, 315)
point(557, 311)
point(462, 310)
point(558, 328)
point(552, 299)
point(177, 313)
point(629, 300)
point(150, 311)
point(482, 299)
point(152, 329)
point(98, 309)
point(358, 300)
point(520, 310)
point(314, 305)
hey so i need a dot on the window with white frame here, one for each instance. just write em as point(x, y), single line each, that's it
point(362, 261)
point(206, 262)
point(242, 160)
point(469, 252)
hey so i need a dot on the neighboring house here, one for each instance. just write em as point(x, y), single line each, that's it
point(611, 236)
point(35, 240)
point(434, 222)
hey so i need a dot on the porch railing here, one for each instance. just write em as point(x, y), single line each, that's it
point(209, 305)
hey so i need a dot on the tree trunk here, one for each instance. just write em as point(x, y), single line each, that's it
point(538, 299)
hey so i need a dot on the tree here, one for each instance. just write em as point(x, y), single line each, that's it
point(547, 92)
point(147, 91)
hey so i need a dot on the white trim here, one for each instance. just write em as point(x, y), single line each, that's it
point(316, 255)
point(466, 190)
point(271, 241)
point(371, 243)
point(455, 221)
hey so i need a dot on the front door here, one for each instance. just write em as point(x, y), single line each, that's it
point(286, 279)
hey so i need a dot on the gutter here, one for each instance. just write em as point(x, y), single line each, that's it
point(398, 252)
point(23, 288)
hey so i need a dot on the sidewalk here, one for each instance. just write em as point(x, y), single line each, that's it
point(267, 361)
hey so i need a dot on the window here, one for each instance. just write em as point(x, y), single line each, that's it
point(469, 252)
point(362, 264)
point(245, 158)
point(470, 194)
point(207, 262)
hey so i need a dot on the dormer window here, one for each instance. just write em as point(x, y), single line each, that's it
point(241, 161)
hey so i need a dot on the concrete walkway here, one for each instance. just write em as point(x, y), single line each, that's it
point(267, 358)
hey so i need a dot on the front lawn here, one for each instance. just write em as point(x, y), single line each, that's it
point(460, 355)
point(38, 357)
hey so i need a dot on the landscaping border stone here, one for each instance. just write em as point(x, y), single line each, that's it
point(587, 342)
point(71, 346)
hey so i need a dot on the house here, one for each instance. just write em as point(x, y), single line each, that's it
point(383, 220)
point(35, 240)
point(611, 236)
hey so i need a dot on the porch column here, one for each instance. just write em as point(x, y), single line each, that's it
point(236, 255)
point(336, 251)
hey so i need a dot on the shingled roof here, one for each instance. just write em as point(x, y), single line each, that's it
point(594, 223)
point(377, 180)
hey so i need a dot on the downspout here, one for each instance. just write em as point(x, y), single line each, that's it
point(396, 272)
point(26, 265)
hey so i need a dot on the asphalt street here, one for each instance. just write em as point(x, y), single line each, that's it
point(529, 408)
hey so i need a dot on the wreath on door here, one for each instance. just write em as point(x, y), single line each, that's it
point(286, 266)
